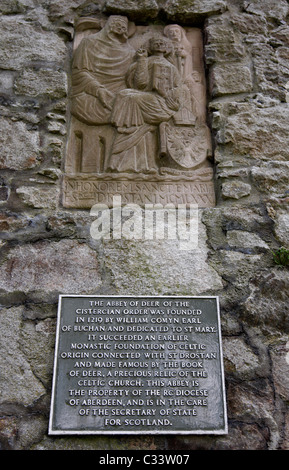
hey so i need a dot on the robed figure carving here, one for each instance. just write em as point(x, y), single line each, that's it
point(152, 98)
point(98, 72)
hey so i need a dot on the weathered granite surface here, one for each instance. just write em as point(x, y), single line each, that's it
point(46, 249)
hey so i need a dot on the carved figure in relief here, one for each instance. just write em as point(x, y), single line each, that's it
point(138, 111)
point(152, 98)
point(195, 96)
point(198, 95)
point(98, 71)
point(182, 49)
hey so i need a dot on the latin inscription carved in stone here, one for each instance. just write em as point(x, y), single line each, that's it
point(138, 113)
point(138, 365)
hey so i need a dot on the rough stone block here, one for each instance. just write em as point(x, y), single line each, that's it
point(11, 222)
point(39, 197)
point(224, 52)
point(239, 358)
point(133, 8)
point(272, 177)
point(219, 30)
point(245, 240)
point(6, 81)
point(230, 79)
point(256, 131)
point(280, 360)
point(38, 340)
point(242, 402)
point(269, 8)
point(194, 9)
point(4, 193)
point(236, 268)
point(46, 269)
point(19, 146)
point(156, 267)
point(285, 443)
point(30, 430)
point(282, 228)
point(267, 69)
point(247, 43)
point(43, 82)
point(235, 189)
point(10, 7)
point(19, 384)
point(267, 303)
point(67, 9)
point(22, 44)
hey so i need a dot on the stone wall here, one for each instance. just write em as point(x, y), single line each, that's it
point(46, 250)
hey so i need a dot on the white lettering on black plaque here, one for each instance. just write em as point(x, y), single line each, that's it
point(138, 365)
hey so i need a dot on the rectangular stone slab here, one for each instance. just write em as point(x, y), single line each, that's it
point(138, 365)
point(138, 124)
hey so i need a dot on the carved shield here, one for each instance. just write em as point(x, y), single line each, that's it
point(188, 146)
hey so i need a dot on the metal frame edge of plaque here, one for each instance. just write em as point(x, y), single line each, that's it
point(53, 431)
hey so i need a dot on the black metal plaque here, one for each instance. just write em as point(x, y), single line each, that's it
point(138, 365)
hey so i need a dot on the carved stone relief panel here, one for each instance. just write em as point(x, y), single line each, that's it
point(138, 116)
